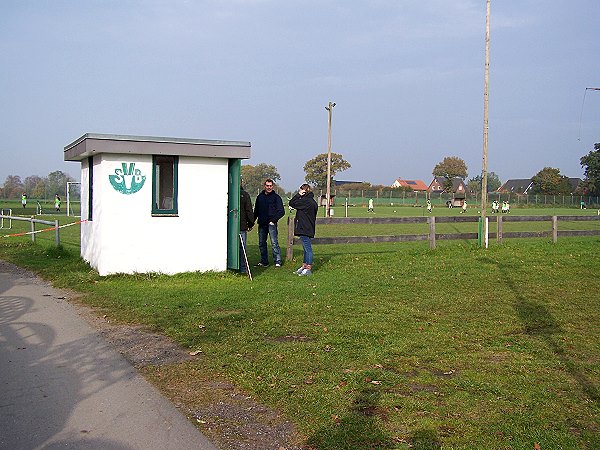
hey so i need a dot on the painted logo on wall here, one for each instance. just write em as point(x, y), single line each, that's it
point(127, 180)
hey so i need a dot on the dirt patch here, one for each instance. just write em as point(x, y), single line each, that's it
point(418, 387)
point(372, 411)
point(292, 338)
point(433, 371)
point(138, 345)
point(442, 373)
point(230, 418)
point(141, 348)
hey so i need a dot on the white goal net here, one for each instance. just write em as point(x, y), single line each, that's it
point(73, 186)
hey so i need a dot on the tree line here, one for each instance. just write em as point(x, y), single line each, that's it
point(548, 181)
point(38, 187)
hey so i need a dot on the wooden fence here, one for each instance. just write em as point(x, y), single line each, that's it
point(432, 236)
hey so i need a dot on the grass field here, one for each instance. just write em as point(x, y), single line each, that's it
point(387, 345)
point(31, 208)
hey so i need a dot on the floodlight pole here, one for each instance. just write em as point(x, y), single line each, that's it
point(329, 109)
point(485, 127)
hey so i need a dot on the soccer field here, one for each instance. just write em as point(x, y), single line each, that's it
point(412, 211)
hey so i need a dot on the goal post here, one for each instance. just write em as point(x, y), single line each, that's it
point(69, 207)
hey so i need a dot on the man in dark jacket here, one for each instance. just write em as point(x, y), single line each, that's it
point(268, 209)
point(304, 225)
point(246, 224)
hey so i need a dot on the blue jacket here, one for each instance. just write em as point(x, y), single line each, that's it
point(268, 208)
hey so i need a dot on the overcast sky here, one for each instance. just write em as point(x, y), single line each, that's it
point(407, 77)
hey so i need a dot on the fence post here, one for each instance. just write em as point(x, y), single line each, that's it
point(431, 221)
point(56, 233)
point(32, 230)
point(554, 229)
point(499, 231)
point(486, 227)
point(290, 242)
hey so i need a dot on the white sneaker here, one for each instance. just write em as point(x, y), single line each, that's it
point(305, 272)
point(277, 264)
point(299, 271)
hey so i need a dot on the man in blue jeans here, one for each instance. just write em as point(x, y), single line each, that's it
point(268, 209)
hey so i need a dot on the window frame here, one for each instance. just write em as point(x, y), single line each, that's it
point(157, 211)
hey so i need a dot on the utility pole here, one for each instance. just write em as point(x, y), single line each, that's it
point(329, 109)
point(485, 127)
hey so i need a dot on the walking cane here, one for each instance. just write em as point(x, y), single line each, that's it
point(245, 257)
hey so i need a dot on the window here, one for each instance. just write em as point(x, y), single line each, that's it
point(164, 185)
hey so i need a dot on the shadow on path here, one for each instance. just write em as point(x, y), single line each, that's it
point(42, 379)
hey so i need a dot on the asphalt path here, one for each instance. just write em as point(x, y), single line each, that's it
point(63, 386)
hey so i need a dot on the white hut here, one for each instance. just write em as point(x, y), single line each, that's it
point(152, 204)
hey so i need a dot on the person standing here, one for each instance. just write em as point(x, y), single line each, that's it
point(429, 207)
point(246, 224)
point(57, 203)
point(268, 209)
point(495, 207)
point(304, 225)
point(370, 208)
point(464, 207)
point(24, 200)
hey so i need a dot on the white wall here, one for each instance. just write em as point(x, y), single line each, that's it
point(124, 237)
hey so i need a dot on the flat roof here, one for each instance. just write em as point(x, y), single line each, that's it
point(94, 143)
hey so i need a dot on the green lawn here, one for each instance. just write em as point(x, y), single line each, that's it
point(387, 345)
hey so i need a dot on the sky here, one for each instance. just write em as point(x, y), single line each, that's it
point(407, 77)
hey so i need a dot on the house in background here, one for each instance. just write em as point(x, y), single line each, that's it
point(575, 183)
point(343, 183)
point(458, 191)
point(524, 186)
point(415, 185)
point(516, 186)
